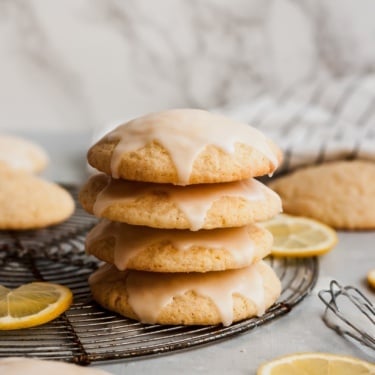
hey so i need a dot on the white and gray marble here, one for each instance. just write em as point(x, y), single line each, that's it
point(81, 64)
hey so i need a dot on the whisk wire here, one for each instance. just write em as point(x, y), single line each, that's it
point(344, 325)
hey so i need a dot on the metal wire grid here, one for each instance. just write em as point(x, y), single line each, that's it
point(87, 333)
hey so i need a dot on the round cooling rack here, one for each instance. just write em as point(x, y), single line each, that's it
point(87, 333)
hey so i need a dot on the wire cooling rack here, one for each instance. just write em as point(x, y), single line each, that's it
point(87, 333)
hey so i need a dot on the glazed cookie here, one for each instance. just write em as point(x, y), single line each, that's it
point(32, 366)
point(193, 207)
point(340, 194)
point(187, 298)
point(184, 146)
point(28, 202)
point(162, 250)
point(21, 154)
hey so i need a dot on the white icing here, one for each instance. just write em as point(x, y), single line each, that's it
point(193, 200)
point(185, 133)
point(149, 293)
point(131, 240)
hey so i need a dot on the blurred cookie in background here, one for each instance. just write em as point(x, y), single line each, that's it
point(340, 193)
point(21, 366)
point(29, 202)
point(21, 154)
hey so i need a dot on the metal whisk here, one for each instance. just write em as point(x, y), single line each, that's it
point(350, 313)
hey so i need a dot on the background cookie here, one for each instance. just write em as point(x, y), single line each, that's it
point(340, 194)
point(21, 366)
point(158, 250)
point(190, 298)
point(28, 202)
point(21, 154)
point(192, 207)
point(184, 146)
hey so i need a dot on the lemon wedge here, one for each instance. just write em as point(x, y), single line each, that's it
point(299, 236)
point(371, 278)
point(317, 364)
point(32, 304)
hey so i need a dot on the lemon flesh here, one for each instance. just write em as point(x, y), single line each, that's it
point(32, 304)
point(317, 364)
point(299, 236)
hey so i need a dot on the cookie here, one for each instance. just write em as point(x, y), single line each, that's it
point(167, 250)
point(21, 154)
point(187, 298)
point(29, 202)
point(340, 194)
point(184, 146)
point(21, 366)
point(193, 207)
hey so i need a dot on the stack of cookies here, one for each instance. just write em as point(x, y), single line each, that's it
point(179, 206)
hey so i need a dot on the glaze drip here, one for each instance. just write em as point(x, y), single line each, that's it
point(193, 200)
point(149, 293)
point(130, 240)
point(185, 133)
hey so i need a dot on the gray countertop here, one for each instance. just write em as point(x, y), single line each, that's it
point(301, 330)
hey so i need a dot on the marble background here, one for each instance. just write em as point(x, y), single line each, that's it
point(82, 64)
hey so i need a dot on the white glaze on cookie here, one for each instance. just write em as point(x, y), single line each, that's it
point(193, 200)
point(149, 292)
point(185, 133)
point(131, 240)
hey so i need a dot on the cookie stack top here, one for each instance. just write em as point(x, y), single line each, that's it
point(183, 147)
point(179, 201)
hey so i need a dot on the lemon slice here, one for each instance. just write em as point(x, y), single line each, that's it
point(299, 236)
point(371, 278)
point(32, 304)
point(316, 364)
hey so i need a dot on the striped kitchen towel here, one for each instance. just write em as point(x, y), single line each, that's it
point(316, 122)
